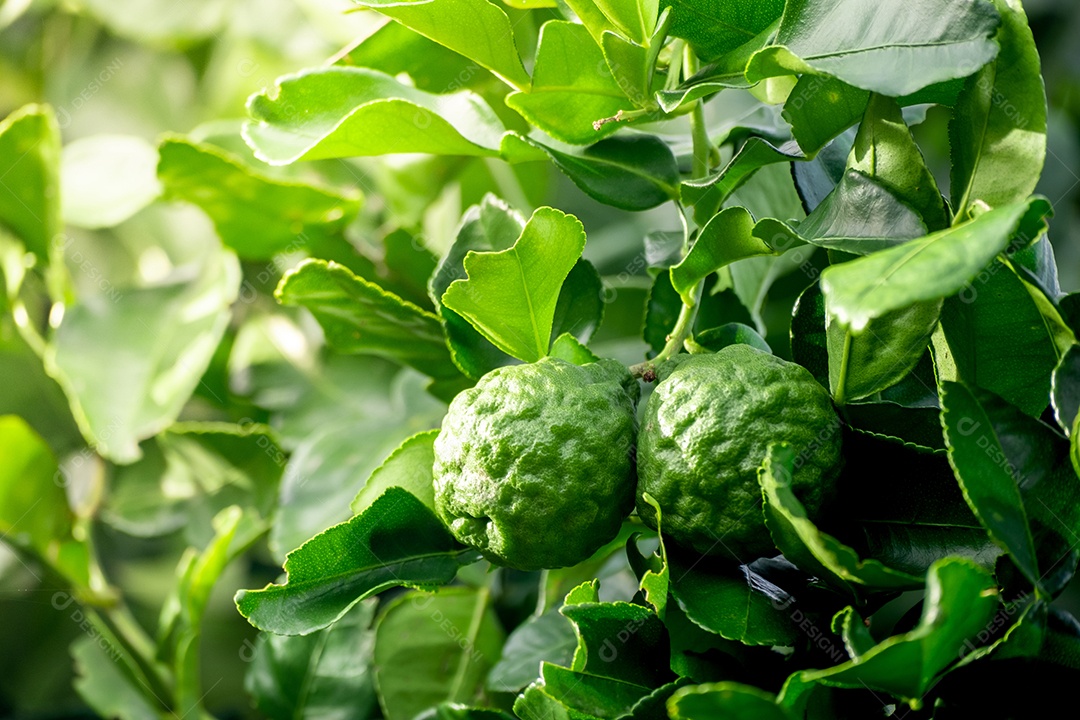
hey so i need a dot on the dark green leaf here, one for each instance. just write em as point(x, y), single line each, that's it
point(1066, 389)
point(103, 684)
point(594, 695)
point(397, 541)
point(661, 312)
point(434, 647)
point(961, 600)
point(630, 172)
point(716, 28)
point(882, 354)
point(734, 602)
point(255, 215)
point(725, 700)
point(580, 307)
point(542, 638)
point(936, 40)
point(327, 673)
point(338, 112)
point(510, 296)
point(360, 317)
point(999, 339)
point(805, 545)
point(998, 130)
point(929, 268)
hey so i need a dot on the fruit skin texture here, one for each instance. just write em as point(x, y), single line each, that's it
point(705, 433)
point(534, 466)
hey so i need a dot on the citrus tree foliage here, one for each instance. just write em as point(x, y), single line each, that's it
point(225, 356)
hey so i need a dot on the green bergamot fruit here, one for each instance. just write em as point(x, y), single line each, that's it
point(705, 433)
point(534, 466)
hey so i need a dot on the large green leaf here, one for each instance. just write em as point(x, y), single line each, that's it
point(808, 547)
point(490, 226)
point(885, 151)
point(728, 237)
point(999, 339)
point(542, 638)
point(477, 29)
point(434, 648)
point(1066, 389)
point(255, 215)
point(105, 179)
point(998, 129)
point(30, 177)
point(358, 316)
point(326, 674)
point(168, 332)
point(882, 354)
point(342, 112)
point(961, 599)
point(572, 87)
point(630, 172)
point(34, 511)
point(733, 602)
point(715, 28)
point(728, 700)
point(397, 541)
point(410, 466)
point(932, 40)
point(930, 268)
point(510, 296)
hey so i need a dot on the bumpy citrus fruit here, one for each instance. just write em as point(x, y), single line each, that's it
point(534, 466)
point(705, 433)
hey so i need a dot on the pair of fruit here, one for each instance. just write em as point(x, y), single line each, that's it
point(535, 465)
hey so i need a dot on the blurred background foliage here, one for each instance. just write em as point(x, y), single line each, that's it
point(133, 70)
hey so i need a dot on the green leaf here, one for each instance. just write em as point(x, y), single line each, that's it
point(929, 268)
point(433, 648)
point(727, 238)
point(636, 19)
point(708, 195)
point(34, 510)
point(103, 685)
point(654, 572)
point(716, 28)
point(1065, 392)
point(804, 544)
point(360, 317)
point(882, 354)
point(490, 226)
point(510, 296)
point(661, 312)
point(718, 338)
point(30, 177)
point(255, 215)
point(457, 711)
point(588, 695)
point(961, 599)
point(105, 179)
point(997, 134)
point(325, 674)
point(633, 62)
point(169, 333)
point(630, 172)
point(736, 603)
point(935, 41)
point(409, 467)
point(606, 649)
point(338, 112)
point(397, 541)
point(885, 151)
point(330, 463)
point(542, 638)
point(580, 307)
point(727, 700)
point(990, 489)
point(567, 347)
point(999, 339)
point(477, 29)
point(572, 87)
